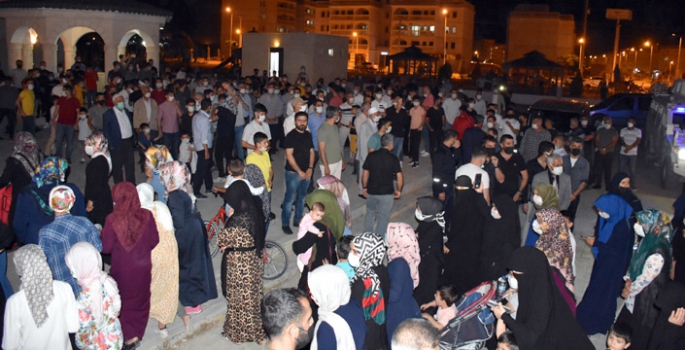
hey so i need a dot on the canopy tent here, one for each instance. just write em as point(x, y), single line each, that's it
point(413, 61)
point(536, 72)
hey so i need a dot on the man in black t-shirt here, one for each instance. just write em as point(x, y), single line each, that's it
point(399, 118)
point(436, 124)
point(514, 169)
point(381, 168)
point(299, 166)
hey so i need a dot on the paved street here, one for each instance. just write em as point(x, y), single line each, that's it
point(206, 327)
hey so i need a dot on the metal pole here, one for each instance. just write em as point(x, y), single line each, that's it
point(651, 52)
point(677, 67)
point(230, 38)
point(580, 60)
point(616, 39)
point(444, 52)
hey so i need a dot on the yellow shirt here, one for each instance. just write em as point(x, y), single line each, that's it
point(28, 101)
point(263, 162)
point(78, 93)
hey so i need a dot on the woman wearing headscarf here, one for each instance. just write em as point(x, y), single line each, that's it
point(340, 324)
point(501, 236)
point(130, 235)
point(334, 218)
point(669, 332)
point(371, 286)
point(649, 271)
point(430, 234)
point(678, 243)
point(254, 176)
point(43, 312)
point(612, 249)
point(465, 237)
point(322, 251)
point(401, 303)
point(98, 194)
point(98, 303)
point(196, 274)
point(402, 243)
point(620, 186)
point(32, 210)
point(544, 196)
point(164, 285)
point(331, 183)
point(242, 242)
point(154, 157)
point(543, 319)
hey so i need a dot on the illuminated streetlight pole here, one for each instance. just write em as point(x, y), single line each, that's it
point(581, 41)
point(677, 64)
point(356, 49)
point(651, 52)
point(230, 33)
point(444, 52)
point(240, 37)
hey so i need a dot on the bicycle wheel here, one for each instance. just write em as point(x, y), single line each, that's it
point(275, 260)
point(212, 233)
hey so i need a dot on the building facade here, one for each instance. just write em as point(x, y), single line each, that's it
point(534, 27)
point(374, 28)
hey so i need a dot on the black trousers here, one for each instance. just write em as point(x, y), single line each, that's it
point(415, 144)
point(203, 172)
point(11, 116)
point(223, 149)
point(570, 212)
point(603, 166)
point(123, 158)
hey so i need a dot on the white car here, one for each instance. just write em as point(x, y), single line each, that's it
point(593, 82)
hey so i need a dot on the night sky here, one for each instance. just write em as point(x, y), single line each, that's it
point(653, 20)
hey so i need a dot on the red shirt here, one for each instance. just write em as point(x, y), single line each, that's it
point(159, 95)
point(91, 79)
point(68, 110)
point(335, 101)
point(463, 122)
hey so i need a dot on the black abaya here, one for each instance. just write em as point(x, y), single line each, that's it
point(667, 336)
point(500, 238)
point(432, 260)
point(98, 191)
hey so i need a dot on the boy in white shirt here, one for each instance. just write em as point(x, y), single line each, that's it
point(185, 153)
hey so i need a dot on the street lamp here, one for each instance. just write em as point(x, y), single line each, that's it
point(677, 65)
point(356, 49)
point(444, 40)
point(581, 41)
point(230, 33)
point(651, 52)
point(240, 38)
point(605, 59)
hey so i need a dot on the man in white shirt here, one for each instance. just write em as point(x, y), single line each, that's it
point(474, 168)
point(257, 124)
point(274, 106)
point(358, 95)
point(289, 123)
point(346, 118)
point(451, 106)
point(509, 125)
point(203, 140)
point(481, 106)
point(365, 130)
point(379, 104)
point(18, 74)
point(387, 97)
point(630, 140)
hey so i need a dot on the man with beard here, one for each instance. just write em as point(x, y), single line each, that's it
point(299, 153)
point(287, 319)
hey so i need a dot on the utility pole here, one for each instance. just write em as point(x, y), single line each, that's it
point(584, 36)
point(618, 15)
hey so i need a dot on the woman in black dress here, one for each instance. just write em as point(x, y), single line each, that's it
point(98, 194)
point(430, 234)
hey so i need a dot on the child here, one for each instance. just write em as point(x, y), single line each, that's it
point(85, 128)
point(186, 153)
point(507, 341)
point(260, 158)
point(235, 169)
point(343, 250)
point(307, 225)
point(444, 301)
point(619, 336)
point(572, 238)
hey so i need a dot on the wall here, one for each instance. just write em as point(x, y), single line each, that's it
point(299, 49)
point(547, 32)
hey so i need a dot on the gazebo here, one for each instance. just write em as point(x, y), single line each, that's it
point(37, 30)
point(535, 71)
point(413, 61)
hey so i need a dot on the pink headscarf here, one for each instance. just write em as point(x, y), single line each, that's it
point(85, 264)
point(402, 243)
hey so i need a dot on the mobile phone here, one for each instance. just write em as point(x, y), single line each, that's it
point(477, 183)
point(493, 303)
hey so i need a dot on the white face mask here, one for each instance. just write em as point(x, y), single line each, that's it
point(537, 200)
point(147, 95)
point(557, 170)
point(376, 118)
point(159, 85)
point(608, 126)
point(534, 126)
point(319, 110)
point(271, 91)
point(416, 104)
point(604, 215)
point(170, 99)
point(513, 282)
point(583, 122)
point(263, 149)
point(30, 86)
point(419, 215)
point(82, 116)
point(243, 91)
point(630, 125)
point(353, 259)
point(478, 97)
point(495, 213)
point(261, 118)
point(454, 96)
point(639, 230)
point(394, 103)
point(388, 92)
point(471, 105)
point(378, 96)
point(303, 108)
point(191, 109)
point(490, 125)
point(90, 150)
point(146, 131)
point(536, 227)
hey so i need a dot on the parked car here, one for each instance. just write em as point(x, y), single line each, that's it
point(620, 107)
point(560, 111)
point(593, 82)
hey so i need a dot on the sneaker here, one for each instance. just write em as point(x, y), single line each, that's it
point(425, 154)
point(46, 126)
point(415, 165)
point(193, 310)
point(163, 332)
point(287, 230)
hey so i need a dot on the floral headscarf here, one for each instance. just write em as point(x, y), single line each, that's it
point(52, 170)
point(371, 250)
point(157, 155)
point(36, 280)
point(658, 234)
point(26, 151)
point(174, 176)
point(62, 199)
point(333, 184)
point(254, 176)
point(402, 243)
point(100, 147)
point(556, 244)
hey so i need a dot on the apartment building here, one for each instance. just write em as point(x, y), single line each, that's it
point(535, 27)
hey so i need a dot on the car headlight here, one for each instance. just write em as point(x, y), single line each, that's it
point(681, 154)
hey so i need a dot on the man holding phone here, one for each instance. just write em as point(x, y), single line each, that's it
point(474, 170)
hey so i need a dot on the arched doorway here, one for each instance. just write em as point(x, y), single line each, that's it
point(138, 43)
point(91, 48)
point(23, 46)
point(68, 41)
point(136, 46)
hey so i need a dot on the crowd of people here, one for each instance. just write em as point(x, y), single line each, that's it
point(499, 180)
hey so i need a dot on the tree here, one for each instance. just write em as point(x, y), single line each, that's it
point(445, 72)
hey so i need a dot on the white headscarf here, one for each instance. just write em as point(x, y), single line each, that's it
point(330, 288)
point(161, 212)
point(85, 264)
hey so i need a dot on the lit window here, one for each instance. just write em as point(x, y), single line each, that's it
point(454, 30)
point(432, 28)
point(415, 30)
point(331, 52)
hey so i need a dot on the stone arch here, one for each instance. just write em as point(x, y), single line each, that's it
point(69, 37)
point(148, 41)
point(22, 45)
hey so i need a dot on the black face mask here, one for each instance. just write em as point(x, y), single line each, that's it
point(491, 151)
point(508, 150)
point(575, 152)
point(100, 102)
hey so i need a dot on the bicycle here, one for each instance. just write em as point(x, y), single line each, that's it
point(275, 258)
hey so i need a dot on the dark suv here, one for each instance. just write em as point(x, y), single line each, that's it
point(620, 107)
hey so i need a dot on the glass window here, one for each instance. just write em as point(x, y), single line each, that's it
point(453, 45)
point(416, 13)
point(415, 43)
point(644, 102)
point(454, 30)
point(432, 28)
point(331, 52)
point(454, 14)
point(415, 30)
point(425, 28)
point(430, 43)
point(323, 14)
point(423, 43)
point(624, 104)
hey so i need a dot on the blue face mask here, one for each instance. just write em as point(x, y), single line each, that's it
point(120, 105)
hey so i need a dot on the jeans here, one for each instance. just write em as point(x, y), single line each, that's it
point(378, 208)
point(62, 132)
point(239, 151)
point(397, 148)
point(295, 191)
point(627, 164)
point(275, 136)
point(29, 124)
point(203, 172)
point(4, 282)
point(172, 141)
